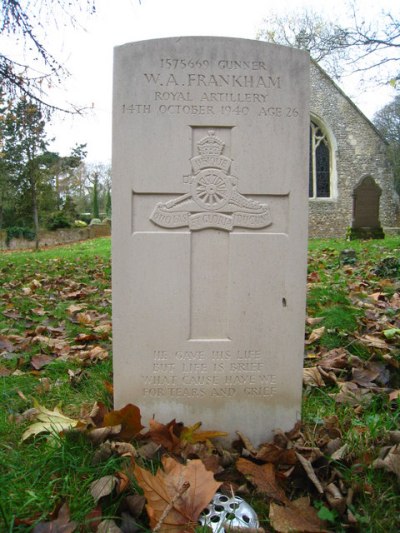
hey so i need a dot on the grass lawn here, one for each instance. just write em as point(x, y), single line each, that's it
point(55, 350)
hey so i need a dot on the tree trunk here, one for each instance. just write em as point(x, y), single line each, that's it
point(35, 213)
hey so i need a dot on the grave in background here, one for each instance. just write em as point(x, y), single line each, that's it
point(210, 181)
point(366, 223)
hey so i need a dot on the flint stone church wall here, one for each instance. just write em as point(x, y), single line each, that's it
point(358, 151)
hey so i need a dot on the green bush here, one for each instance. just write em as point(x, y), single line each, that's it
point(86, 217)
point(80, 224)
point(58, 220)
point(19, 232)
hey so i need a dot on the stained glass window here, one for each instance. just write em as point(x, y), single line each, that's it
point(320, 164)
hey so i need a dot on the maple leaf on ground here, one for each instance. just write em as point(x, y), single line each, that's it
point(128, 417)
point(297, 516)
point(61, 524)
point(53, 422)
point(165, 434)
point(190, 434)
point(263, 477)
point(271, 453)
point(177, 494)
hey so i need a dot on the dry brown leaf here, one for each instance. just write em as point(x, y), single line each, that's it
point(4, 371)
point(334, 359)
point(102, 487)
point(313, 321)
point(263, 477)
point(73, 309)
point(164, 434)
point(61, 524)
point(270, 453)
point(394, 395)
point(135, 503)
point(161, 490)
point(310, 472)
point(315, 335)
point(247, 443)
point(99, 435)
point(375, 342)
point(350, 393)
point(299, 516)
point(97, 353)
point(41, 360)
point(394, 437)
point(130, 419)
point(108, 526)
point(6, 344)
point(312, 377)
point(125, 449)
point(391, 462)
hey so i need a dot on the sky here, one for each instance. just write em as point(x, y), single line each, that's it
point(87, 53)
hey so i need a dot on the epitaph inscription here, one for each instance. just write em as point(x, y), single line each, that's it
point(210, 166)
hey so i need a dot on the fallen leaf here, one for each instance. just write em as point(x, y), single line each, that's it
point(313, 321)
point(86, 337)
point(334, 359)
point(164, 491)
point(61, 524)
point(394, 395)
point(374, 342)
point(135, 503)
point(190, 435)
point(263, 477)
point(99, 435)
point(6, 344)
point(270, 453)
point(52, 422)
point(102, 487)
point(391, 333)
point(164, 434)
point(125, 449)
point(130, 419)
point(315, 335)
point(4, 371)
point(298, 516)
point(123, 482)
point(394, 437)
point(352, 394)
point(103, 330)
point(41, 360)
point(93, 519)
point(310, 472)
point(108, 526)
point(73, 309)
point(312, 377)
point(391, 461)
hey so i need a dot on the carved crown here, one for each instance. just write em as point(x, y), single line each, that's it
point(210, 145)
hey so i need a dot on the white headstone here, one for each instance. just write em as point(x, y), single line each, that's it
point(210, 181)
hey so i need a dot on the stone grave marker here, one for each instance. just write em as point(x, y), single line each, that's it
point(366, 223)
point(210, 177)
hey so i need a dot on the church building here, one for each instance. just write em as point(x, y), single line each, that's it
point(347, 153)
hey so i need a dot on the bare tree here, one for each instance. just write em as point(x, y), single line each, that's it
point(27, 22)
point(360, 46)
